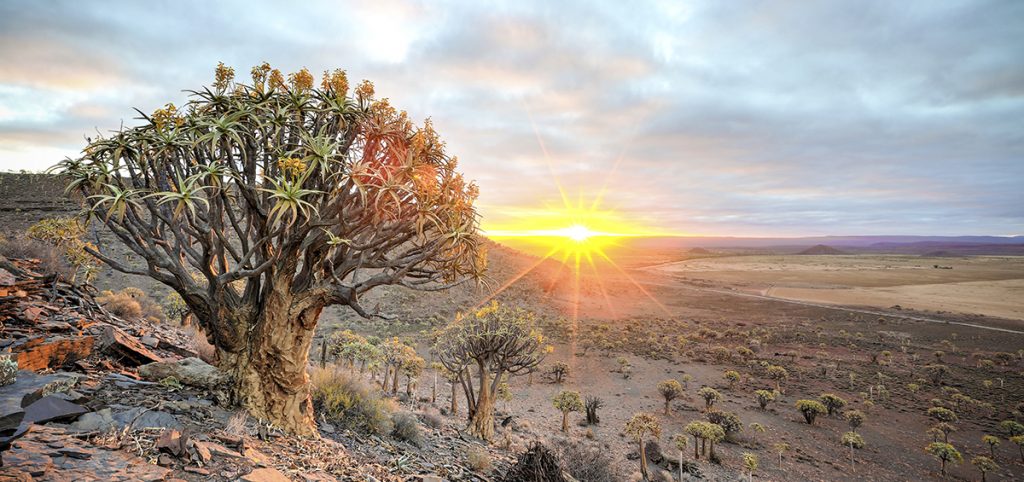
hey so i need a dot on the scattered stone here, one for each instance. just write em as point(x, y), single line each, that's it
point(95, 421)
point(197, 470)
point(140, 418)
point(150, 341)
point(266, 474)
point(189, 371)
point(171, 441)
point(28, 388)
point(52, 408)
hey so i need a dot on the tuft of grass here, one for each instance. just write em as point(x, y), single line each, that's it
point(478, 459)
point(407, 429)
point(350, 402)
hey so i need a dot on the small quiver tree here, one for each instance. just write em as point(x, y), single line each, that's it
point(853, 440)
point(567, 401)
point(670, 390)
point(495, 340)
point(681, 442)
point(283, 199)
point(710, 396)
point(639, 428)
point(984, 465)
point(945, 453)
point(764, 397)
point(810, 409)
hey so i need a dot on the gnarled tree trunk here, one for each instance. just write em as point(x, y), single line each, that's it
point(482, 424)
point(266, 360)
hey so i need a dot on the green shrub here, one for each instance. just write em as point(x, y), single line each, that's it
point(8, 371)
point(350, 402)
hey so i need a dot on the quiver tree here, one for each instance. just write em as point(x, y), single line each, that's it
point(639, 427)
point(495, 340)
point(710, 396)
point(567, 401)
point(810, 409)
point(855, 418)
point(670, 390)
point(984, 465)
point(412, 368)
point(946, 453)
point(262, 203)
point(832, 402)
point(764, 397)
point(591, 405)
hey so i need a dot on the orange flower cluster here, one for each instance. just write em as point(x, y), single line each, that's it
point(301, 81)
point(168, 116)
point(335, 82)
point(291, 166)
point(365, 90)
point(223, 77)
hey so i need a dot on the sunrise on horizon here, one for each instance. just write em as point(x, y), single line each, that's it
point(402, 241)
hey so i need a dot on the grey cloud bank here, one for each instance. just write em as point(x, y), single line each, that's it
point(753, 118)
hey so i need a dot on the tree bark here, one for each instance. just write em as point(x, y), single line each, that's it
point(565, 421)
point(482, 424)
point(643, 461)
point(455, 401)
point(394, 382)
point(268, 368)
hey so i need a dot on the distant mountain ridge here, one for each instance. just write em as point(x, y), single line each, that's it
point(868, 241)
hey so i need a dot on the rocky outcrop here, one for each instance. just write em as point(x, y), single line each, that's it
point(189, 371)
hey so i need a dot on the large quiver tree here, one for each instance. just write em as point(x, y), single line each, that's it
point(496, 340)
point(262, 204)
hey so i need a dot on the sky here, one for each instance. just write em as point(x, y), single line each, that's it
point(781, 118)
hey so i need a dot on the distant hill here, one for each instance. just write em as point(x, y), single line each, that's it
point(821, 249)
point(700, 251)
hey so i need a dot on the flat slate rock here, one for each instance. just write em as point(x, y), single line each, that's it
point(76, 460)
point(52, 408)
point(28, 388)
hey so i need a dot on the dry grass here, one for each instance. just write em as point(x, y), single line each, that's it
point(350, 402)
point(478, 459)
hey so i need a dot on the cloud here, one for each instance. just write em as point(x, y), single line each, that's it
point(770, 118)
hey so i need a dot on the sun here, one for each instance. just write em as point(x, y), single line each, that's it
point(578, 233)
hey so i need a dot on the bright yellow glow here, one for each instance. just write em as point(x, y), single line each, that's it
point(577, 232)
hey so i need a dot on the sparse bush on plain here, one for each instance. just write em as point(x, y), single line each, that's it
point(732, 376)
point(855, 418)
point(558, 371)
point(729, 421)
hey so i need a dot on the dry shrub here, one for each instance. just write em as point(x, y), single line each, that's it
point(537, 464)
point(478, 459)
point(407, 428)
point(431, 419)
point(121, 304)
point(586, 463)
point(236, 424)
point(349, 402)
point(50, 260)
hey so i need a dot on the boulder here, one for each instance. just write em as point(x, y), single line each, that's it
point(41, 353)
point(189, 371)
point(126, 349)
point(28, 388)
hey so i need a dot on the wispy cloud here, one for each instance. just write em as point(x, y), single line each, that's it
point(768, 118)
